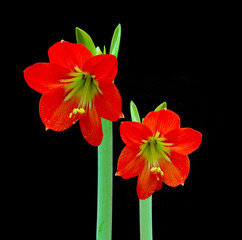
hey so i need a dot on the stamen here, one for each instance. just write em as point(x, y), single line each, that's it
point(164, 155)
point(157, 134)
point(77, 69)
point(161, 139)
point(153, 169)
point(69, 80)
point(77, 110)
point(167, 144)
point(157, 170)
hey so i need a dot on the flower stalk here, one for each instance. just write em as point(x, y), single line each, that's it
point(105, 183)
point(145, 206)
point(105, 165)
point(145, 213)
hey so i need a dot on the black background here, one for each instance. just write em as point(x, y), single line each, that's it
point(166, 54)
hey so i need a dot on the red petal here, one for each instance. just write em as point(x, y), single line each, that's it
point(69, 55)
point(109, 103)
point(45, 77)
point(104, 67)
point(162, 121)
point(159, 184)
point(91, 127)
point(134, 132)
point(176, 171)
point(147, 183)
point(54, 111)
point(128, 164)
point(185, 140)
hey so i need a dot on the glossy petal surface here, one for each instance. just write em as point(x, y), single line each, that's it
point(69, 55)
point(176, 171)
point(162, 121)
point(134, 132)
point(103, 67)
point(91, 127)
point(129, 165)
point(54, 111)
point(45, 77)
point(184, 140)
point(109, 103)
point(147, 183)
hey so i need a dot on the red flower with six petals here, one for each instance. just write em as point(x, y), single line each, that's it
point(76, 86)
point(156, 151)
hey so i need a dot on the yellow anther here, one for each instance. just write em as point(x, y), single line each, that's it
point(157, 170)
point(153, 169)
point(157, 134)
point(77, 110)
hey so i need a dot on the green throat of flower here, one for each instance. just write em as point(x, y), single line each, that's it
point(154, 149)
point(82, 86)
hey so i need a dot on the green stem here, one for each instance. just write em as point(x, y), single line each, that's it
point(105, 182)
point(145, 211)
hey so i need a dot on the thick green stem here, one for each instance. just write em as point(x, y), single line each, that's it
point(145, 206)
point(105, 184)
point(145, 211)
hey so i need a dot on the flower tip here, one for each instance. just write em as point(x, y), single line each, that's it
point(117, 174)
point(121, 115)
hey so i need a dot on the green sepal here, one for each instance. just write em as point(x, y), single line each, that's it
point(85, 39)
point(161, 106)
point(134, 112)
point(98, 51)
point(114, 48)
point(104, 50)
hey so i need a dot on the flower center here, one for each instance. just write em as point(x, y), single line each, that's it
point(155, 149)
point(83, 86)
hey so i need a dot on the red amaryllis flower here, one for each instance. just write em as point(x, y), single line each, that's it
point(76, 86)
point(156, 151)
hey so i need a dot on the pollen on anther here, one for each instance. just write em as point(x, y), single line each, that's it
point(157, 170)
point(77, 110)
